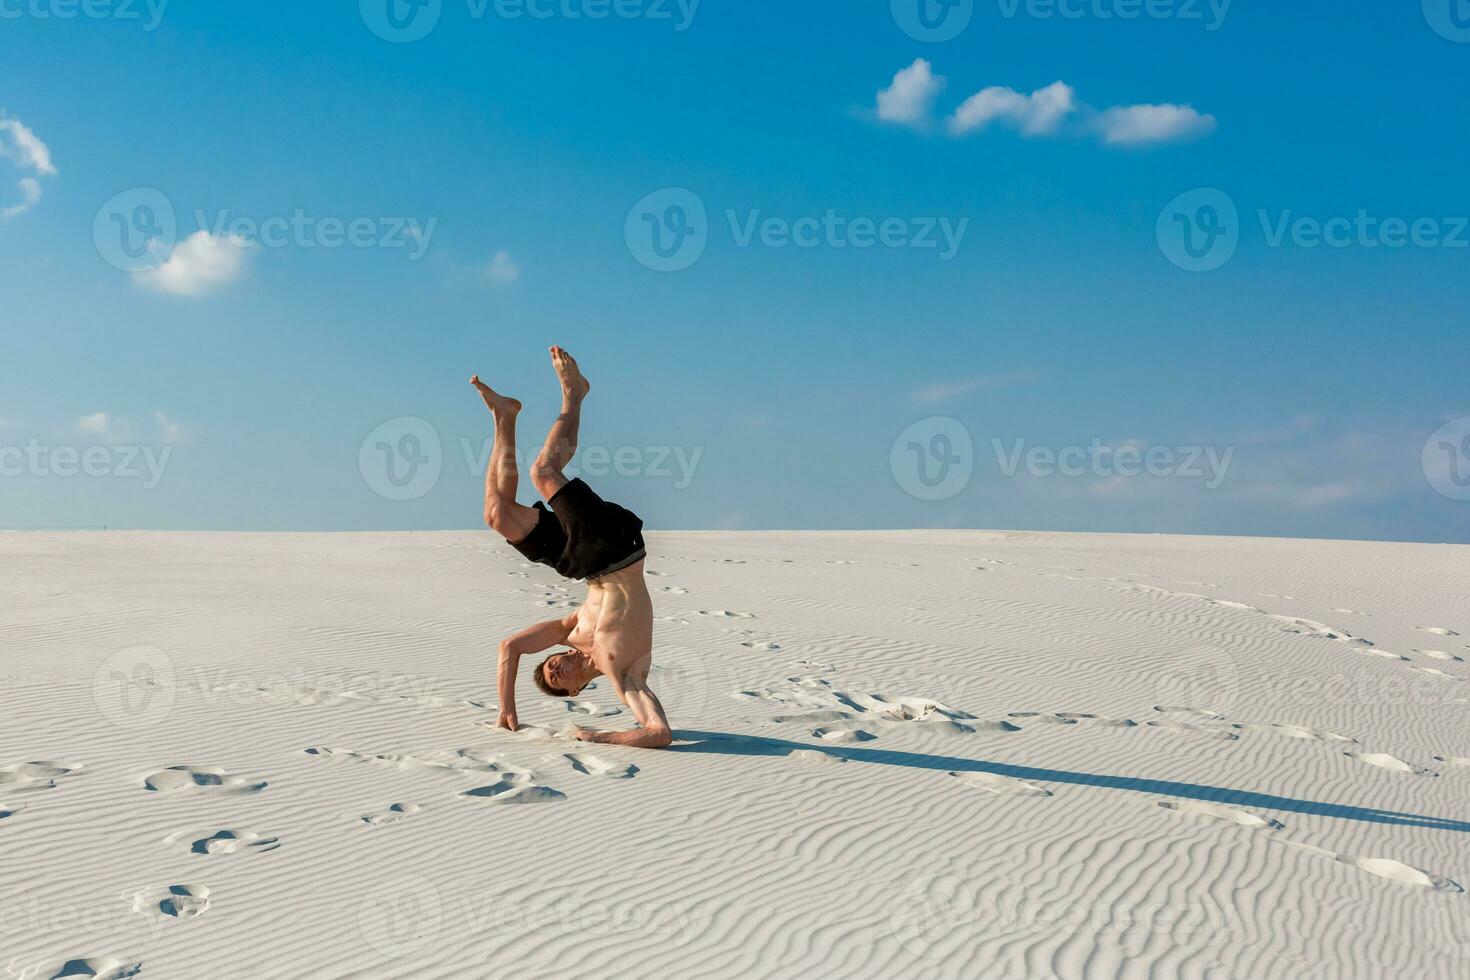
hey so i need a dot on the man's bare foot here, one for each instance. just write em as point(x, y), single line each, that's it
point(496, 403)
point(573, 386)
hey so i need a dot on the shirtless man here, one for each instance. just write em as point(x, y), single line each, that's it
point(582, 537)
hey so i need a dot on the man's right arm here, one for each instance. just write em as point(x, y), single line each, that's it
point(532, 639)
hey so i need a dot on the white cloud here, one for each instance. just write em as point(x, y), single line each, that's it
point(26, 150)
point(198, 264)
point(1141, 125)
point(502, 269)
point(30, 193)
point(940, 391)
point(24, 147)
point(1037, 114)
point(908, 98)
point(168, 430)
point(104, 426)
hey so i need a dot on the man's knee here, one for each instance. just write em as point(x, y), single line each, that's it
point(498, 517)
point(547, 476)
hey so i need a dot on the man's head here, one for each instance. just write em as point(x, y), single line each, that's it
point(561, 675)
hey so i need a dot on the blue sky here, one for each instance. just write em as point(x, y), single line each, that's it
point(757, 385)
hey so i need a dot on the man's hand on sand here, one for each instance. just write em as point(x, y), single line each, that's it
point(507, 720)
point(588, 735)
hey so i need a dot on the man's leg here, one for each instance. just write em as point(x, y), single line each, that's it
point(502, 513)
point(561, 441)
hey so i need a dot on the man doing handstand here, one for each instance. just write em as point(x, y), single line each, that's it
point(582, 536)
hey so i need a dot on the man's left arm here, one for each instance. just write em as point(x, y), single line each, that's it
point(654, 732)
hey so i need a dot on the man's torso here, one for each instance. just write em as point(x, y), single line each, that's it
point(615, 625)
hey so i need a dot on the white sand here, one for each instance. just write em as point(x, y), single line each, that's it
point(901, 754)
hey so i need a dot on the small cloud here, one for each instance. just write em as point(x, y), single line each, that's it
point(169, 431)
point(108, 428)
point(30, 193)
point(1037, 114)
point(502, 270)
point(26, 150)
point(198, 264)
point(941, 391)
point(1143, 125)
point(96, 424)
point(24, 147)
point(907, 100)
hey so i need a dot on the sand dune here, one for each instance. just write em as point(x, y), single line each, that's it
point(952, 754)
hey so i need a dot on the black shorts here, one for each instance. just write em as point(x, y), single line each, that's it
point(583, 536)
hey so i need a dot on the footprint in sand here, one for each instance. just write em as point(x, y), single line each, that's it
point(1453, 760)
point(1101, 721)
point(1386, 868)
point(397, 813)
point(843, 733)
point(1205, 713)
point(98, 967)
point(224, 841)
point(1298, 731)
point(175, 901)
point(1435, 672)
point(1436, 630)
point(1440, 655)
point(590, 710)
point(1202, 731)
point(673, 589)
point(1221, 814)
point(28, 776)
point(815, 756)
point(194, 779)
point(1000, 785)
point(514, 787)
point(1038, 718)
point(1392, 763)
point(591, 765)
point(726, 614)
point(762, 646)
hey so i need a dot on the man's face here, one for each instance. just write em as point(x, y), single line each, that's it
point(561, 674)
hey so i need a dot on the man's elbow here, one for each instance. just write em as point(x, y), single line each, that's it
point(658, 738)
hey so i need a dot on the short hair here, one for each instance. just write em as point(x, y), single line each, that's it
point(539, 676)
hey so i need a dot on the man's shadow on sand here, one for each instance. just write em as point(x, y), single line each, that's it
point(722, 743)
